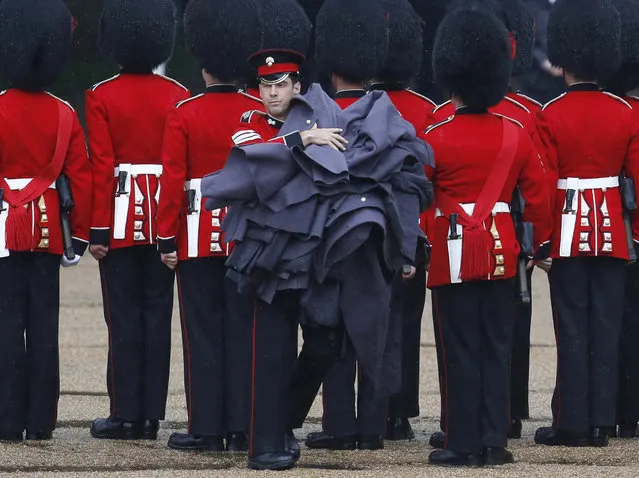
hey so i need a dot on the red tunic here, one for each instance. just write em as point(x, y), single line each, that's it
point(126, 116)
point(589, 134)
point(466, 147)
point(28, 134)
point(259, 127)
point(345, 98)
point(533, 105)
point(506, 107)
point(414, 108)
point(196, 143)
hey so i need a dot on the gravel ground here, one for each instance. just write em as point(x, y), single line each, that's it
point(73, 453)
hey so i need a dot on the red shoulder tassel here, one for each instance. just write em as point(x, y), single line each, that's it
point(476, 260)
point(18, 229)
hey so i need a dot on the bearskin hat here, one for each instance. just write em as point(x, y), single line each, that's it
point(35, 42)
point(351, 38)
point(285, 26)
point(406, 42)
point(584, 38)
point(138, 34)
point(627, 77)
point(233, 24)
point(472, 57)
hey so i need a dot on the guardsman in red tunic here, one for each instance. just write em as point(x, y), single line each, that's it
point(480, 158)
point(41, 140)
point(216, 319)
point(626, 80)
point(126, 116)
point(591, 139)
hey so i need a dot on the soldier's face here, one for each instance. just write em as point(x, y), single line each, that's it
point(277, 98)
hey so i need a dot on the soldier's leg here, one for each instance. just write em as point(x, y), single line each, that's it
point(628, 400)
point(42, 343)
point(338, 398)
point(372, 407)
point(437, 331)
point(201, 297)
point(497, 312)
point(520, 356)
point(157, 310)
point(458, 313)
point(607, 282)
point(238, 325)
point(569, 287)
point(122, 282)
point(14, 288)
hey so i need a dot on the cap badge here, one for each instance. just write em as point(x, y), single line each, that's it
point(270, 61)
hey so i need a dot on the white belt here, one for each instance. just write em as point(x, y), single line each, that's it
point(193, 218)
point(139, 169)
point(594, 183)
point(121, 208)
point(14, 184)
point(469, 208)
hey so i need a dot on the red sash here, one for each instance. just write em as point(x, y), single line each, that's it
point(18, 226)
point(476, 263)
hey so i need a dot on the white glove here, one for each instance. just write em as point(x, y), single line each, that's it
point(64, 262)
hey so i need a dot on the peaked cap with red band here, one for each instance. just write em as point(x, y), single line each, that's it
point(276, 62)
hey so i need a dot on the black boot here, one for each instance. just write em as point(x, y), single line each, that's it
point(550, 436)
point(452, 458)
point(150, 429)
point(515, 428)
point(292, 445)
point(437, 440)
point(599, 437)
point(237, 442)
point(495, 456)
point(39, 435)
point(399, 429)
point(190, 442)
point(322, 440)
point(114, 429)
point(271, 461)
point(370, 442)
point(11, 437)
point(627, 430)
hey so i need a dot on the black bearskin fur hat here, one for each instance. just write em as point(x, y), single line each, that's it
point(35, 42)
point(285, 26)
point(221, 34)
point(471, 57)
point(584, 38)
point(406, 42)
point(627, 77)
point(351, 38)
point(138, 34)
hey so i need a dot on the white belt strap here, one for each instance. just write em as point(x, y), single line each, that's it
point(193, 218)
point(594, 183)
point(121, 206)
point(469, 208)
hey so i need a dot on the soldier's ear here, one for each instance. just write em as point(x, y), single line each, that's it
point(297, 87)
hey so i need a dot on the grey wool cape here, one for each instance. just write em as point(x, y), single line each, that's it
point(337, 226)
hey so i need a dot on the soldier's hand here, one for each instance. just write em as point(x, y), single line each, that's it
point(64, 262)
point(545, 265)
point(170, 260)
point(98, 251)
point(409, 275)
point(325, 137)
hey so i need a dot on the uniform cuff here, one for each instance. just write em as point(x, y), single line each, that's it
point(79, 245)
point(100, 236)
point(294, 139)
point(543, 252)
point(166, 245)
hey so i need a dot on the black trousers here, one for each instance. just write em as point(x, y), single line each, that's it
point(137, 292)
point(520, 356)
point(216, 337)
point(587, 295)
point(437, 331)
point(476, 326)
point(274, 346)
point(29, 359)
point(628, 400)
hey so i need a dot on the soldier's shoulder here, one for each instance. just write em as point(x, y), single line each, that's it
point(439, 124)
point(60, 100)
point(171, 80)
point(103, 83)
point(442, 106)
point(249, 96)
point(426, 99)
point(189, 101)
point(516, 104)
point(617, 98)
point(554, 102)
point(529, 99)
point(512, 120)
point(252, 116)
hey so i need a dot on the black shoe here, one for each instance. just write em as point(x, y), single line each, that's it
point(599, 437)
point(190, 442)
point(399, 429)
point(495, 456)
point(550, 436)
point(370, 442)
point(292, 445)
point(11, 437)
point(437, 440)
point(452, 458)
point(627, 430)
point(113, 429)
point(322, 440)
point(237, 442)
point(515, 428)
point(150, 429)
point(39, 436)
point(271, 461)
